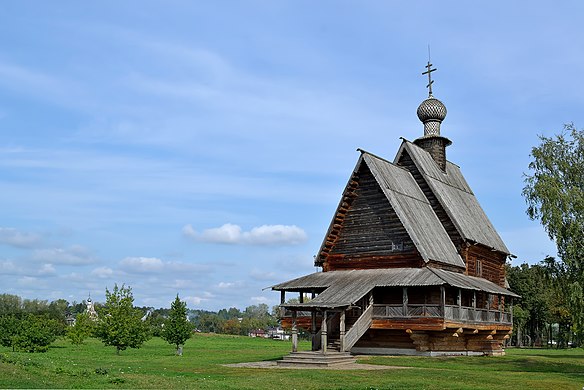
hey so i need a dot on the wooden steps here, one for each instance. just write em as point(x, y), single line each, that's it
point(316, 359)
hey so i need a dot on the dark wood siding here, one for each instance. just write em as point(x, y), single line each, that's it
point(366, 231)
point(492, 264)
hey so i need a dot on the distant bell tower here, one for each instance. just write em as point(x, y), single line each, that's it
point(431, 113)
point(90, 310)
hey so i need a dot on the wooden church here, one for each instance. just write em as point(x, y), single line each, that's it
point(410, 262)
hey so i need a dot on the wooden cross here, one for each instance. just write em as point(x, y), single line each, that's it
point(430, 81)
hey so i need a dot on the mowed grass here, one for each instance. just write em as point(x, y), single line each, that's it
point(155, 366)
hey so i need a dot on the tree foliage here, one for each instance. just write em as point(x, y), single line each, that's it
point(177, 328)
point(554, 192)
point(82, 329)
point(35, 333)
point(120, 324)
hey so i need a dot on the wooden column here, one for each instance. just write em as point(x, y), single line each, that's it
point(342, 331)
point(282, 301)
point(511, 310)
point(313, 329)
point(474, 305)
point(323, 333)
point(301, 297)
point(294, 332)
point(405, 301)
point(500, 307)
point(312, 294)
point(459, 303)
point(443, 301)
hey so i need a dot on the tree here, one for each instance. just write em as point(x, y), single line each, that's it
point(120, 324)
point(10, 327)
point(82, 329)
point(177, 328)
point(554, 193)
point(35, 333)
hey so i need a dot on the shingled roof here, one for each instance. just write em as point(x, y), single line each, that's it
point(414, 211)
point(456, 197)
point(345, 288)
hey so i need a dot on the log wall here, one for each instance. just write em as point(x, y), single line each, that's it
point(366, 232)
point(492, 264)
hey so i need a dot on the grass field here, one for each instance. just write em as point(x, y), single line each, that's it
point(155, 366)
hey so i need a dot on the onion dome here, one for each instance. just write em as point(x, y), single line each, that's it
point(431, 113)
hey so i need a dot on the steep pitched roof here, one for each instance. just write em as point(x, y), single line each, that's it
point(456, 197)
point(414, 211)
point(345, 288)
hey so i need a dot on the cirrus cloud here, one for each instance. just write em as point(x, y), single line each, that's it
point(262, 235)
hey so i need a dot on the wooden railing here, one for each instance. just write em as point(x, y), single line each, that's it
point(358, 329)
point(448, 312)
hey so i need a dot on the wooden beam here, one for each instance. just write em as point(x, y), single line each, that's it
point(294, 332)
point(323, 333)
point(342, 331)
point(405, 301)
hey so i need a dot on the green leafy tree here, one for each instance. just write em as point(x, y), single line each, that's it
point(177, 328)
point(35, 334)
point(120, 324)
point(554, 192)
point(82, 329)
point(10, 326)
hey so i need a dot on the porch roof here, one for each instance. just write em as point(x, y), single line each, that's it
point(345, 288)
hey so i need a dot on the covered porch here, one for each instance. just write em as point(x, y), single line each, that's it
point(339, 307)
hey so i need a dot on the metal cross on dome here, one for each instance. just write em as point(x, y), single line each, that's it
point(429, 73)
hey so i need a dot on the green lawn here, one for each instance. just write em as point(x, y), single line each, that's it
point(155, 366)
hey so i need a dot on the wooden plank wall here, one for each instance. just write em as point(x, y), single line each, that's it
point(366, 230)
point(492, 263)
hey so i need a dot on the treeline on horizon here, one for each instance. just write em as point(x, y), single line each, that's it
point(229, 320)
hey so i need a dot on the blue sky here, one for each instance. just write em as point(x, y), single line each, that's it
point(201, 148)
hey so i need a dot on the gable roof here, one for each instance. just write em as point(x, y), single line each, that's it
point(414, 211)
point(456, 197)
point(345, 288)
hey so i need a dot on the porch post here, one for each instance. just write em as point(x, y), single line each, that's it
point(459, 303)
point(313, 329)
point(294, 333)
point(342, 331)
point(282, 301)
point(443, 300)
point(301, 297)
point(323, 332)
point(511, 310)
point(405, 301)
point(500, 304)
point(474, 300)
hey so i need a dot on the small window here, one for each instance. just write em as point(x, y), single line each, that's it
point(479, 270)
point(397, 246)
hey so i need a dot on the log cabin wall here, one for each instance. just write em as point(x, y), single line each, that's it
point(485, 263)
point(407, 162)
point(366, 231)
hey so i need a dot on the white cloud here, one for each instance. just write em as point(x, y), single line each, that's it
point(142, 265)
point(102, 272)
point(259, 299)
point(28, 281)
point(74, 255)
point(18, 239)
point(47, 269)
point(261, 235)
point(263, 276)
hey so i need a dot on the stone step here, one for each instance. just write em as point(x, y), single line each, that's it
point(316, 359)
